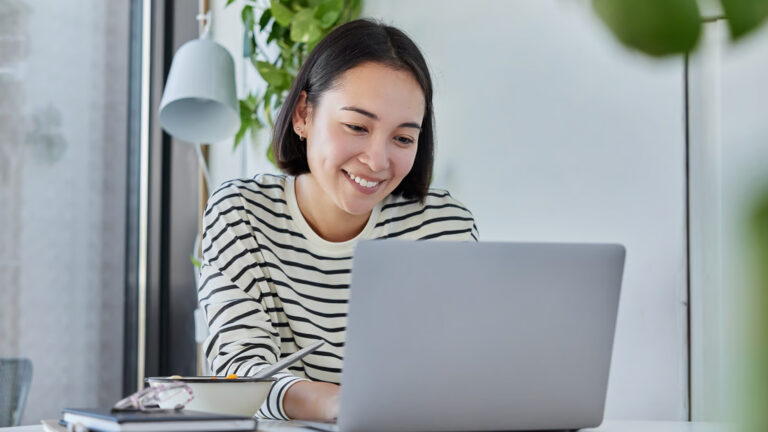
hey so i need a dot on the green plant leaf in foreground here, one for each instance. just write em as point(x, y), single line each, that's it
point(756, 396)
point(744, 15)
point(655, 27)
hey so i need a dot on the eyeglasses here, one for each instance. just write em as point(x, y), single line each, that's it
point(150, 398)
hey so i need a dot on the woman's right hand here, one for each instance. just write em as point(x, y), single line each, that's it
point(308, 400)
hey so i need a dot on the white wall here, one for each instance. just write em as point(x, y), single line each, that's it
point(549, 130)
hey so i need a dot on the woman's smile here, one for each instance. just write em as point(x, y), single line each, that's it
point(363, 184)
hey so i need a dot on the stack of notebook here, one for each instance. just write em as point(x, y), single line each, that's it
point(104, 420)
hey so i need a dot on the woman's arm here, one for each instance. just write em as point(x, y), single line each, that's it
point(308, 400)
point(242, 338)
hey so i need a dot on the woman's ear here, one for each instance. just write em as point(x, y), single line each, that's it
point(301, 115)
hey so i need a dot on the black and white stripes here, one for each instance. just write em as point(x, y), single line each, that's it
point(270, 286)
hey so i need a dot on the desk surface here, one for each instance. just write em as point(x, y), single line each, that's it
point(607, 426)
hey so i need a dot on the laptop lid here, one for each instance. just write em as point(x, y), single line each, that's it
point(479, 336)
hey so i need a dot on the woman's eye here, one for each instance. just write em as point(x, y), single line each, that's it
point(355, 128)
point(404, 140)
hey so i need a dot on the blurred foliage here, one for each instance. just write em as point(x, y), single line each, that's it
point(195, 262)
point(667, 27)
point(744, 15)
point(295, 26)
point(756, 397)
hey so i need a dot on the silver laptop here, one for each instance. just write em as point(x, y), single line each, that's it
point(448, 336)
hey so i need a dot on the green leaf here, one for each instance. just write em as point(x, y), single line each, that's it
point(248, 18)
point(245, 114)
point(286, 49)
point(251, 101)
point(277, 32)
point(282, 14)
point(264, 18)
point(268, 111)
point(354, 8)
point(304, 27)
point(271, 154)
point(312, 45)
point(328, 13)
point(268, 95)
point(756, 355)
point(196, 262)
point(744, 15)
point(655, 27)
point(272, 75)
point(249, 120)
point(229, 2)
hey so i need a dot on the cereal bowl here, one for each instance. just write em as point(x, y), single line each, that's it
point(234, 396)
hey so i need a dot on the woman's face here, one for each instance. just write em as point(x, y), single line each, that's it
point(362, 135)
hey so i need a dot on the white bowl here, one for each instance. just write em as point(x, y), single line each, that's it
point(239, 396)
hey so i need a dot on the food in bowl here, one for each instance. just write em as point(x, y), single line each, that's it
point(233, 395)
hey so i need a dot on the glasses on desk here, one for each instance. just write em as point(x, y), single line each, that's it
point(150, 398)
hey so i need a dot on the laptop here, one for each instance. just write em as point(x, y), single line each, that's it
point(456, 336)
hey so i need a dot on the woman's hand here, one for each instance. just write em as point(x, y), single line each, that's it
point(307, 400)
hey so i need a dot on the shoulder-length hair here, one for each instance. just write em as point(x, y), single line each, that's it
point(347, 46)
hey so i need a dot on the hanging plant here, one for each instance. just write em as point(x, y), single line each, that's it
point(669, 27)
point(295, 26)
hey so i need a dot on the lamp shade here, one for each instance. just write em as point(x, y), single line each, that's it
point(199, 104)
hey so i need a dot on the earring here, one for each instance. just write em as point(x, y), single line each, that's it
point(298, 132)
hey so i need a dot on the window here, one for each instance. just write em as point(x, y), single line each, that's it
point(64, 73)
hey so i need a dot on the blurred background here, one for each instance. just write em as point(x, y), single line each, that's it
point(552, 124)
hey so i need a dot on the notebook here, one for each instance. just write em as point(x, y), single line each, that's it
point(103, 419)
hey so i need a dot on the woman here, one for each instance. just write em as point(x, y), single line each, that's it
point(355, 136)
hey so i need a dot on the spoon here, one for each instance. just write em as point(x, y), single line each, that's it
point(282, 364)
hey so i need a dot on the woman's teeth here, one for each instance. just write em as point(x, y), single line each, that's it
point(362, 182)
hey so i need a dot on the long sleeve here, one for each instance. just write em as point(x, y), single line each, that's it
point(270, 285)
point(242, 337)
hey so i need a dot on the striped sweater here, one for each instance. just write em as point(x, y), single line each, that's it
point(269, 285)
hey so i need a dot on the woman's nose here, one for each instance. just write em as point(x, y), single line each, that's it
point(376, 156)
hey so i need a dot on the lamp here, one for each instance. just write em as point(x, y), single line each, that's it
point(199, 103)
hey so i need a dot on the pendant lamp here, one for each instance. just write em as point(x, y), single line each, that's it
point(199, 103)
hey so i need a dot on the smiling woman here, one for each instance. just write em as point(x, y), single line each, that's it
point(355, 138)
point(357, 156)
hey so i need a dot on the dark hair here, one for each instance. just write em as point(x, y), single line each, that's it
point(346, 47)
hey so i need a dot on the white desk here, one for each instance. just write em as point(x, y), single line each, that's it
point(608, 426)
